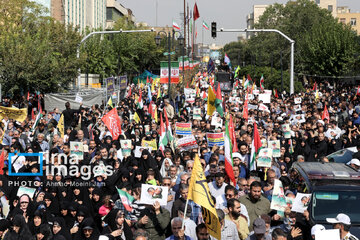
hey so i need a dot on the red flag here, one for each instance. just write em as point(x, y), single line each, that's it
point(129, 93)
point(325, 114)
point(232, 136)
point(28, 96)
point(196, 12)
point(218, 92)
point(204, 95)
point(2, 158)
point(32, 114)
point(187, 85)
point(248, 77)
point(246, 110)
point(358, 91)
point(276, 93)
point(113, 123)
point(314, 87)
point(150, 110)
point(147, 79)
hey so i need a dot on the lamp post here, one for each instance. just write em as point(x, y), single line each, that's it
point(169, 53)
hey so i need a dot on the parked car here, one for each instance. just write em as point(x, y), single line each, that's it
point(335, 188)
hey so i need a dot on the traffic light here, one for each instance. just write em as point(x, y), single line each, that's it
point(213, 29)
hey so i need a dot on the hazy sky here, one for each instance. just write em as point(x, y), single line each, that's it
point(227, 13)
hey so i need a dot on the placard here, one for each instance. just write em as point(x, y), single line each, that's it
point(275, 146)
point(217, 122)
point(151, 143)
point(183, 128)
point(265, 157)
point(77, 149)
point(126, 147)
point(301, 202)
point(278, 200)
point(26, 190)
point(78, 98)
point(297, 100)
point(328, 234)
point(215, 138)
point(186, 143)
point(139, 149)
point(297, 108)
point(150, 194)
point(197, 113)
point(266, 98)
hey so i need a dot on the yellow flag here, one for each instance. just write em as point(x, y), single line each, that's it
point(243, 83)
point(155, 115)
point(136, 118)
point(211, 102)
point(199, 192)
point(110, 103)
point(60, 126)
point(159, 93)
point(153, 86)
point(18, 114)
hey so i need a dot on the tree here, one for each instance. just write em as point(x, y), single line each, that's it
point(313, 29)
point(36, 53)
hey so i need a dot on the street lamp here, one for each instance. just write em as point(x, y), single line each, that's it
point(181, 42)
point(169, 53)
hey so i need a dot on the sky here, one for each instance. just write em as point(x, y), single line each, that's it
point(227, 14)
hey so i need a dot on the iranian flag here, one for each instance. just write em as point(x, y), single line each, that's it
point(126, 199)
point(169, 134)
point(218, 101)
point(205, 25)
point(255, 147)
point(262, 83)
point(175, 25)
point(228, 156)
point(163, 139)
point(140, 104)
point(164, 72)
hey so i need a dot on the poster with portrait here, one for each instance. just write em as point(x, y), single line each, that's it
point(275, 146)
point(297, 100)
point(278, 200)
point(197, 113)
point(150, 194)
point(77, 148)
point(216, 121)
point(301, 202)
point(126, 147)
point(265, 157)
point(139, 149)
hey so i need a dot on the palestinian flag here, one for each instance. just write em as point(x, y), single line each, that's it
point(218, 101)
point(255, 147)
point(228, 155)
point(37, 120)
point(169, 134)
point(126, 199)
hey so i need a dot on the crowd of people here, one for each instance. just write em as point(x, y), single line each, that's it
point(65, 206)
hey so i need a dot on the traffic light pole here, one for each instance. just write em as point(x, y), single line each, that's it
point(292, 42)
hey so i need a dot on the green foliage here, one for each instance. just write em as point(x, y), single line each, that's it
point(36, 53)
point(323, 46)
point(121, 53)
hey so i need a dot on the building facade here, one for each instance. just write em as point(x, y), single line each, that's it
point(350, 18)
point(114, 11)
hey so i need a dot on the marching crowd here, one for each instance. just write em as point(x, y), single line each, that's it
point(65, 206)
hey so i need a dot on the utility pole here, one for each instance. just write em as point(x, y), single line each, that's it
point(184, 24)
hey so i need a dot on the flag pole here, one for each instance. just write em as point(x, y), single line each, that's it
point(185, 210)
